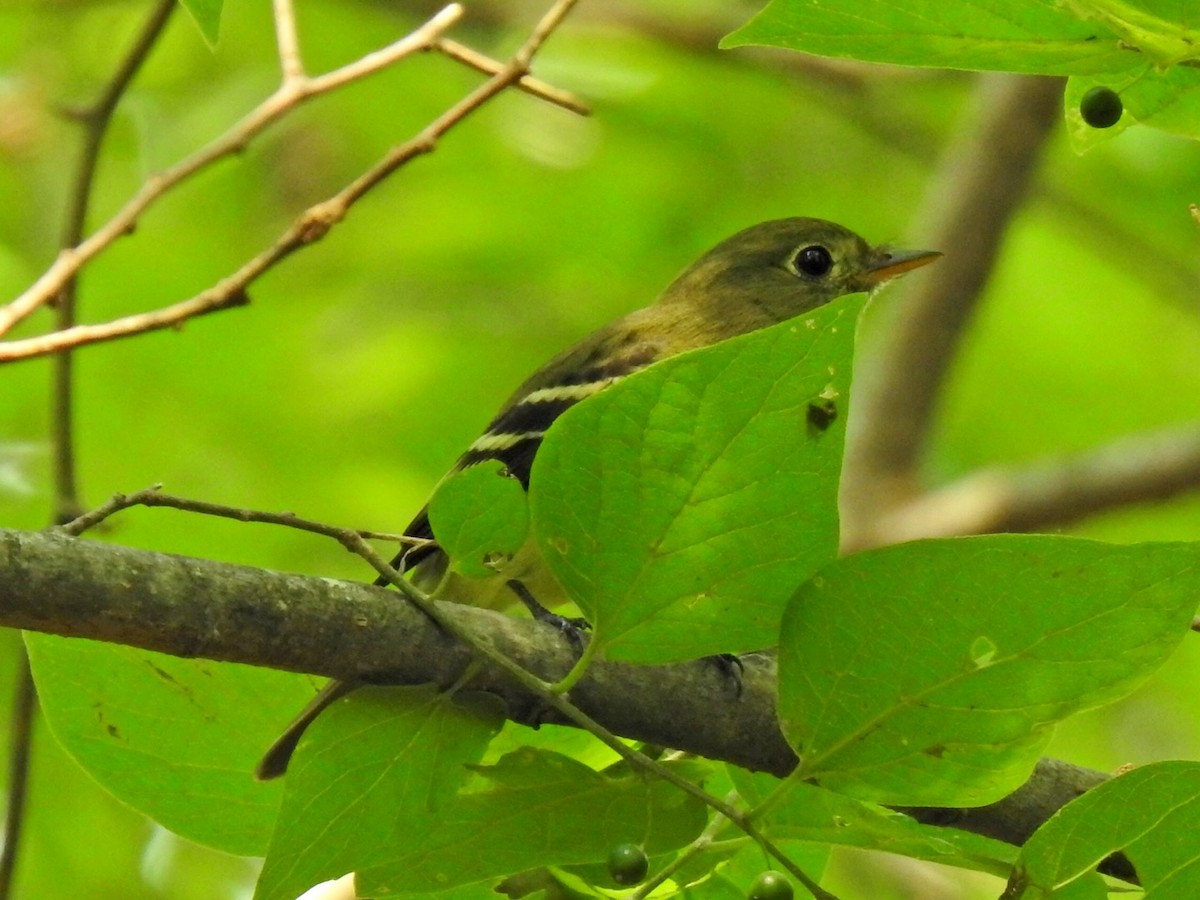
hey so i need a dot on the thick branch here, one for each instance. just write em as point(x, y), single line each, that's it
point(983, 181)
point(1054, 492)
point(197, 608)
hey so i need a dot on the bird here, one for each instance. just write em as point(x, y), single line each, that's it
point(765, 274)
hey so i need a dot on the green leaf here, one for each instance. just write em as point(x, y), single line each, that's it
point(715, 495)
point(377, 771)
point(746, 861)
point(1168, 100)
point(480, 517)
point(931, 673)
point(1162, 30)
point(1152, 814)
point(175, 738)
point(535, 808)
point(1000, 35)
point(808, 812)
point(207, 16)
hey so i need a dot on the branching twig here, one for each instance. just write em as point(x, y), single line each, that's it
point(154, 496)
point(530, 85)
point(449, 623)
point(286, 98)
point(311, 225)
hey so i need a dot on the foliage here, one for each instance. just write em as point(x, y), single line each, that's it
point(1145, 51)
point(342, 408)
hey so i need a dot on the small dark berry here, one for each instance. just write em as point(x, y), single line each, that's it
point(627, 864)
point(1101, 107)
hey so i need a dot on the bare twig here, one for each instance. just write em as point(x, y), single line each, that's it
point(311, 225)
point(427, 140)
point(528, 83)
point(154, 496)
point(95, 120)
point(211, 300)
point(289, 95)
point(288, 42)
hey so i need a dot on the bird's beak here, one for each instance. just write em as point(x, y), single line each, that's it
point(887, 264)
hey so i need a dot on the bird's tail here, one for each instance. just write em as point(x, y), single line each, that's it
point(275, 761)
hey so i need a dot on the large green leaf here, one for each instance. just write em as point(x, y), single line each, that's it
point(174, 738)
point(808, 812)
point(931, 673)
point(1152, 814)
point(1000, 35)
point(386, 766)
point(1164, 31)
point(714, 495)
point(533, 808)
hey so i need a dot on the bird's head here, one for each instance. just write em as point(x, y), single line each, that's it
point(779, 269)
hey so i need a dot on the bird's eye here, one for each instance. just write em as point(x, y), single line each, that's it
point(813, 260)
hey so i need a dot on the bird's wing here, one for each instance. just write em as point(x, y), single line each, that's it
point(515, 434)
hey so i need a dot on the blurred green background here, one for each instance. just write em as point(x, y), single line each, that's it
point(368, 361)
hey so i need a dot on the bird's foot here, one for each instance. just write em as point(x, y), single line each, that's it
point(572, 627)
point(731, 669)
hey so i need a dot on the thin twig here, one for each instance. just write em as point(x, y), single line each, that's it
point(154, 496)
point(545, 692)
point(528, 83)
point(309, 227)
point(95, 121)
point(211, 300)
point(286, 98)
point(427, 140)
point(288, 42)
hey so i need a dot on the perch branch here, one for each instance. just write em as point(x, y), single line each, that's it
point(196, 608)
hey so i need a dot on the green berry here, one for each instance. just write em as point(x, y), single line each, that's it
point(771, 885)
point(627, 864)
point(1101, 107)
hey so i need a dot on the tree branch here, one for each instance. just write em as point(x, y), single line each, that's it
point(311, 225)
point(197, 608)
point(984, 178)
point(286, 98)
point(1054, 492)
